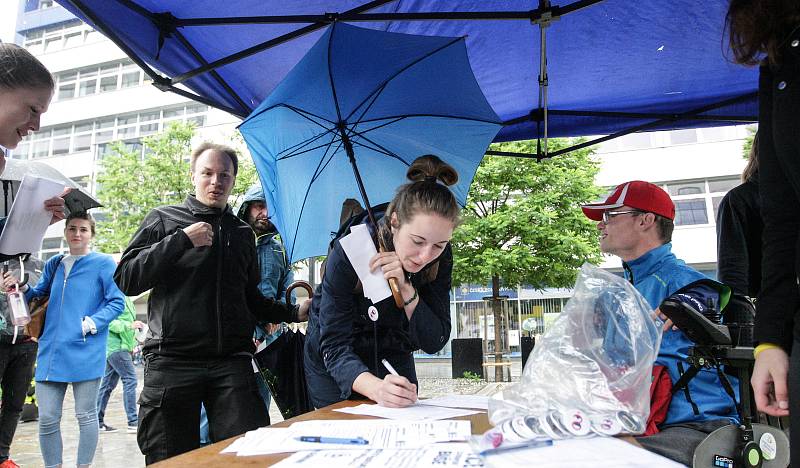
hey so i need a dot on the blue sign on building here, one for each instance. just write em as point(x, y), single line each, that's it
point(475, 292)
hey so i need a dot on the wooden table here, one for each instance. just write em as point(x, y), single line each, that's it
point(210, 455)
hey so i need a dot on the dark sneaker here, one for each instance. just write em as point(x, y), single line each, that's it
point(132, 429)
point(107, 429)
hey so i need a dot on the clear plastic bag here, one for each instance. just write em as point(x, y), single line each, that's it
point(590, 372)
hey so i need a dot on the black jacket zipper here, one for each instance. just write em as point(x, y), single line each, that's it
point(220, 257)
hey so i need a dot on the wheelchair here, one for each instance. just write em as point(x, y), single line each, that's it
point(754, 443)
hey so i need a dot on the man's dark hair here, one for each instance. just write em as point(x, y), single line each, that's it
point(665, 226)
point(227, 150)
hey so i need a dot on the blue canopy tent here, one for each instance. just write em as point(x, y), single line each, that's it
point(612, 66)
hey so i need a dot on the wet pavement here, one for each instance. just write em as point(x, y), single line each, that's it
point(119, 449)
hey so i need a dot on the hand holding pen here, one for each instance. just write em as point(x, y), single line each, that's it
point(395, 391)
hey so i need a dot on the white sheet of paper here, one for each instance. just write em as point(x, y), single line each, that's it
point(359, 248)
point(594, 452)
point(458, 401)
point(453, 455)
point(416, 412)
point(28, 220)
point(379, 434)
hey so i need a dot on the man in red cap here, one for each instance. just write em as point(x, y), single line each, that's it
point(636, 223)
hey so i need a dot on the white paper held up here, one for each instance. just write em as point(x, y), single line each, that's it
point(28, 220)
point(359, 248)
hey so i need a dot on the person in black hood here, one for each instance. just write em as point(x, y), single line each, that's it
point(199, 261)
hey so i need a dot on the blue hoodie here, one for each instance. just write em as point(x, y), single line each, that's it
point(65, 354)
point(657, 275)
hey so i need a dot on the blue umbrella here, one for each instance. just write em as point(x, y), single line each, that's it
point(351, 116)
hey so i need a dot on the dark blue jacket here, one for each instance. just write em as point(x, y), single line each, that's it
point(340, 342)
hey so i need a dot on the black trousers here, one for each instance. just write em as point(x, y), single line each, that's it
point(16, 371)
point(169, 405)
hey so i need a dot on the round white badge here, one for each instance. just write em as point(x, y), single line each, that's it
point(372, 312)
point(604, 424)
point(769, 446)
point(575, 422)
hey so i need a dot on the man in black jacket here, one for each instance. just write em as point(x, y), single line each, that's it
point(199, 261)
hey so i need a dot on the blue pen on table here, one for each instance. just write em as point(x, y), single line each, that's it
point(333, 440)
point(511, 448)
point(389, 367)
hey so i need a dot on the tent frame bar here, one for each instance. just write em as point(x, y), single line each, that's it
point(693, 114)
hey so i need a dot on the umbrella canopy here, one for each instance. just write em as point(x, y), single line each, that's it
point(612, 64)
point(368, 102)
point(76, 200)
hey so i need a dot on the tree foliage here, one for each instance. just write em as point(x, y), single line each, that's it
point(523, 223)
point(129, 185)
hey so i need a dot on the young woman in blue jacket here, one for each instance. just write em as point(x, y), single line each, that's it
point(347, 339)
point(83, 300)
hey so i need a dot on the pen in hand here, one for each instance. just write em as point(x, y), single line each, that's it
point(333, 440)
point(389, 367)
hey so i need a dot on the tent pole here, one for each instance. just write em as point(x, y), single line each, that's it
point(544, 22)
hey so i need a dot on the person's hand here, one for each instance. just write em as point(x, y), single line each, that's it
point(769, 382)
point(56, 206)
point(657, 315)
point(137, 325)
point(390, 264)
point(396, 391)
point(271, 328)
point(9, 281)
point(201, 234)
point(302, 313)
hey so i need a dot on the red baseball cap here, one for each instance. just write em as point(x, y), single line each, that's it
point(636, 194)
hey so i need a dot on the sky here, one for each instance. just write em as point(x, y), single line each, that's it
point(8, 18)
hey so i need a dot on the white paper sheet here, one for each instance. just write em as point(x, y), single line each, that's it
point(594, 452)
point(415, 412)
point(378, 433)
point(456, 455)
point(28, 220)
point(458, 401)
point(359, 248)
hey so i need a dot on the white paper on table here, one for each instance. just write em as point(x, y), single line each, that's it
point(359, 248)
point(28, 220)
point(458, 401)
point(378, 433)
point(415, 412)
point(453, 455)
point(594, 452)
point(382, 433)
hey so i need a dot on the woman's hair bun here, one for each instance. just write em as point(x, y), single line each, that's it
point(431, 168)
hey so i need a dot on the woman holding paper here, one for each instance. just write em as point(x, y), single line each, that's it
point(72, 349)
point(348, 336)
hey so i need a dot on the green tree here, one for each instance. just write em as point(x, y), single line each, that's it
point(129, 185)
point(523, 223)
point(748, 141)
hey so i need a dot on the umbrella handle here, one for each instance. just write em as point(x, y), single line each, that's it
point(298, 284)
point(398, 298)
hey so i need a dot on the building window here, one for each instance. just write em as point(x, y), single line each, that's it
point(96, 135)
point(688, 212)
point(58, 37)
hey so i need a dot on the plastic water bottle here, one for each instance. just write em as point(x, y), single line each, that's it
point(19, 308)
